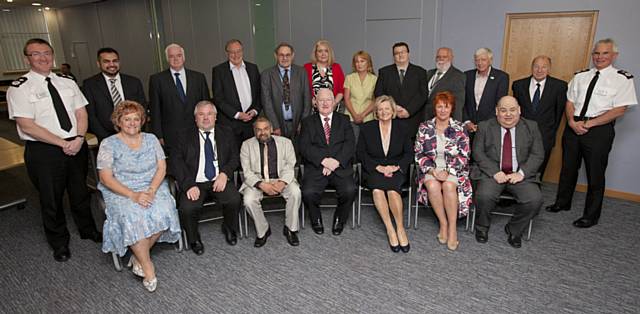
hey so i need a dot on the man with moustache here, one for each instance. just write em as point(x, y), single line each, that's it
point(106, 89)
point(173, 94)
point(513, 167)
point(445, 77)
point(542, 99)
point(268, 164)
point(595, 99)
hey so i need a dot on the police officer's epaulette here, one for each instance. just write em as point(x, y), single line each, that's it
point(19, 82)
point(64, 75)
point(626, 74)
point(585, 70)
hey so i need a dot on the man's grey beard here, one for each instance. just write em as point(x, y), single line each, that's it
point(443, 66)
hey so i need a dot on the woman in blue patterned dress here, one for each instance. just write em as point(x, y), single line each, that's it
point(442, 153)
point(139, 208)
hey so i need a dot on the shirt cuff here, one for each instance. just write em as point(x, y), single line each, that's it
point(236, 115)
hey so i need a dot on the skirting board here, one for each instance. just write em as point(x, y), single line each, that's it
point(613, 193)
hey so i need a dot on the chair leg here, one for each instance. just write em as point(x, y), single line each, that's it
point(240, 225)
point(359, 203)
point(180, 246)
point(409, 202)
point(353, 215)
point(473, 220)
point(117, 262)
point(529, 231)
point(246, 223)
point(302, 216)
point(415, 218)
point(185, 240)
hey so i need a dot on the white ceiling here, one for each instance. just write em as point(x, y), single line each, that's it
point(45, 3)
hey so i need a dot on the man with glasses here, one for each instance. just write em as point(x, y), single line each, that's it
point(50, 115)
point(236, 91)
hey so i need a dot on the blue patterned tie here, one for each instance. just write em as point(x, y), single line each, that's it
point(180, 87)
point(536, 98)
point(209, 168)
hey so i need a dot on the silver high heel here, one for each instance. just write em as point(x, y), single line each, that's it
point(150, 285)
point(136, 268)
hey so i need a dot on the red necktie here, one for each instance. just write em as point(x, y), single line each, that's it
point(327, 130)
point(507, 166)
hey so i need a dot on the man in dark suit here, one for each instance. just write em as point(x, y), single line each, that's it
point(106, 89)
point(485, 85)
point(445, 77)
point(203, 165)
point(542, 99)
point(236, 91)
point(407, 84)
point(327, 146)
point(504, 163)
point(173, 94)
point(286, 97)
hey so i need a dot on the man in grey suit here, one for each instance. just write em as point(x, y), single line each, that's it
point(286, 98)
point(445, 77)
point(504, 163)
point(268, 163)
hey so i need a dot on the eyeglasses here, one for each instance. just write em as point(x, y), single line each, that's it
point(40, 54)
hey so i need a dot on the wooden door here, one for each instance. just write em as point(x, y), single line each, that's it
point(566, 37)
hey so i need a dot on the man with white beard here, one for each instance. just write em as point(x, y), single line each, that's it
point(445, 77)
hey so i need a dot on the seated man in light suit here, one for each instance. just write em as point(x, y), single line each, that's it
point(268, 163)
point(203, 165)
point(327, 146)
point(504, 163)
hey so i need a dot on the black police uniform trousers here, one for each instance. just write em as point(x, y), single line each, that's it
point(53, 172)
point(592, 147)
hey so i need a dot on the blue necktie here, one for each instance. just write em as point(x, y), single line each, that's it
point(180, 87)
point(209, 168)
point(536, 98)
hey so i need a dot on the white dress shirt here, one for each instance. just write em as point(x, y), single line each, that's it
point(118, 84)
point(183, 78)
point(478, 88)
point(243, 85)
point(201, 177)
point(533, 87)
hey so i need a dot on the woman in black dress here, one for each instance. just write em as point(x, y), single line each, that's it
point(385, 151)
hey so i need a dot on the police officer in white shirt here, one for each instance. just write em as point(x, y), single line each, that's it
point(595, 99)
point(50, 115)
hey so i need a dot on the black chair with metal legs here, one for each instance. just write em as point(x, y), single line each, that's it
point(407, 188)
point(209, 203)
point(504, 197)
point(329, 190)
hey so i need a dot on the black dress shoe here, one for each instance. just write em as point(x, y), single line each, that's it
point(405, 248)
point(338, 226)
point(514, 241)
point(584, 223)
point(555, 208)
point(197, 247)
point(229, 235)
point(261, 241)
point(62, 254)
point(292, 236)
point(94, 236)
point(394, 248)
point(317, 226)
point(482, 236)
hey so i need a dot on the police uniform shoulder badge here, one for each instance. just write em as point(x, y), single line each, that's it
point(64, 75)
point(19, 82)
point(578, 72)
point(626, 74)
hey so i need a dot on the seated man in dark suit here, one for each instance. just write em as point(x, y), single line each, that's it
point(407, 84)
point(445, 78)
point(542, 99)
point(484, 86)
point(173, 94)
point(106, 89)
point(502, 162)
point(327, 146)
point(236, 91)
point(203, 165)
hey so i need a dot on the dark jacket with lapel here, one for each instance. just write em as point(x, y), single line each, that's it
point(371, 153)
point(169, 115)
point(550, 108)
point(100, 106)
point(314, 148)
point(411, 94)
point(452, 81)
point(225, 93)
point(497, 86)
point(184, 163)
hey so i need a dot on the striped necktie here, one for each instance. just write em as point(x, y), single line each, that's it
point(115, 94)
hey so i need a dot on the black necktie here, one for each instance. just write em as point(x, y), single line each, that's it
point(592, 85)
point(536, 98)
point(58, 105)
point(286, 89)
point(402, 76)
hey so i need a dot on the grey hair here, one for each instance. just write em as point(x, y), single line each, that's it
point(483, 51)
point(203, 103)
point(173, 45)
point(607, 41)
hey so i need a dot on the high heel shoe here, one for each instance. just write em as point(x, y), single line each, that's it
point(454, 246)
point(150, 285)
point(405, 248)
point(136, 268)
point(441, 239)
point(395, 248)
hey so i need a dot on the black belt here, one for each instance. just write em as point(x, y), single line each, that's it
point(577, 118)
